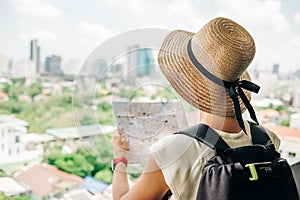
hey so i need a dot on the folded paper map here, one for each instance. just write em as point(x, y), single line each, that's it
point(144, 123)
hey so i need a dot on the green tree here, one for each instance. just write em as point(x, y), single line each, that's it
point(13, 91)
point(86, 120)
point(18, 81)
point(104, 107)
point(104, 175)
point(2, 173)
point(34, 89)
point(3, 196)
point(21, 198)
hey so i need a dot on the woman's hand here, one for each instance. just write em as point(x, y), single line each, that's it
point(120, 144)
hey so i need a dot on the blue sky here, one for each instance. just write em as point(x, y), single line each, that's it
point(73, 28)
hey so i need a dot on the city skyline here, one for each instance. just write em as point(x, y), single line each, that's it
point(62, 30)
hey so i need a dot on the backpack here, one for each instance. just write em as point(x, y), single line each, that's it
point(255, 172)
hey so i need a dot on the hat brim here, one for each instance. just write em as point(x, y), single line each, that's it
point(189, 83)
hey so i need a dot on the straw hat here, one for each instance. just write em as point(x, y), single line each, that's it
point(223, 48)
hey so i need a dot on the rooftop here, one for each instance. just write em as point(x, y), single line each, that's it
point(44, 179)
point(11, 187)
point(283, 131)
point(8, 120)
point(93, 185)
point(36, 138)
point(80, 131)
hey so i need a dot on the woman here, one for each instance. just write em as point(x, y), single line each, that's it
point(208, 70)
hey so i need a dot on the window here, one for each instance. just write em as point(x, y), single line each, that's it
point(9, 152)
point(18, 151)
point(2, 147)
point(17, 139)
point(292, 154)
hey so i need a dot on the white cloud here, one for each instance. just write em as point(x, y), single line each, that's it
point(269, 27)
point(92, 34)
point(93, 29)
point(257, 15)
point(36, 8)
point(40, 35)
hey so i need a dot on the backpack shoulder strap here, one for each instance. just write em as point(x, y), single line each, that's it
point(206, 135)
point(259, 135)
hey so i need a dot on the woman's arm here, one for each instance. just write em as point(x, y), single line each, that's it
point(150, 185)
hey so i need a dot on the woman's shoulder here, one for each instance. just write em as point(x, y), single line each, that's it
point(274, 138)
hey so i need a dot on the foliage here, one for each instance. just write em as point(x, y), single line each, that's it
point(13, 91)
point(81, 163)
point(55, 113)
point(2, 173)
point(34, 89)
point(123, 93)
point(285, 122)
point(86, 120)
point(104, 175)
point(164, 93)
point(21, 198)
point(4, 197)
point(18, 81)
point(104, 107)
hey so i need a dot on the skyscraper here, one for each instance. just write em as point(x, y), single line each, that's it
point(53, 64)
point(35, 54)
point(132, 60)
point(145, 62)
point(140, 61)
point(275, 69)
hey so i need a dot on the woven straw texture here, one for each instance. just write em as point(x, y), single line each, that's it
point(223, 48)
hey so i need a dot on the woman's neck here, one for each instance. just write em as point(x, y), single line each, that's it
point(225, 124)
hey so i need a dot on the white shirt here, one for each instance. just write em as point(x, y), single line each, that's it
point(181, 159)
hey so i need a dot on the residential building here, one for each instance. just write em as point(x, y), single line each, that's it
point(93, 185)
point(46, 181)
point(296, 99)
point(74, 136)
point(35, 54)
point(24, 68)
point(11, 129)
point(79, 194)
point(290, 139)
point(3, 96)
point(34, 141)
point(99, 69)
point(12, 148)
point(11, 187)
point(295, 121)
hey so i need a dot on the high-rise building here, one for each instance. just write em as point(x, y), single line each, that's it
point(24, 68)
point(132, 60)
point(35, 53)
point(53, 64)
point(99, 69)
point(275, 69)
point(3, 64)
point(145, 62)
point(140, 61)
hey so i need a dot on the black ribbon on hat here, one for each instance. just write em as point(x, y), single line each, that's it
point(235, 89)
